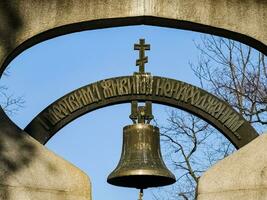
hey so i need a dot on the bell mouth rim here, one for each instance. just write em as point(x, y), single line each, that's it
point(143, 172)
point(140, 125)
point(136, 177)
point(134, 181)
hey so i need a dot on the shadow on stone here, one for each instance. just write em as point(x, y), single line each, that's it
point(16, 153)
point(11, 23)
point(28, 170)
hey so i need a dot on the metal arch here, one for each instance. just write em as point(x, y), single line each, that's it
point(126, 89)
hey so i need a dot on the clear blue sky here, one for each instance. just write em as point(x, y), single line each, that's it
point(55, 67)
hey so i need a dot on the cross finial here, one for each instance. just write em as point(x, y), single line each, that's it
point(142, 46)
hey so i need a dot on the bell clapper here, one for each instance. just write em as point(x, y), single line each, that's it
point(141, 194)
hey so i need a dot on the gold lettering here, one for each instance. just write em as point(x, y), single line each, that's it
point(225, 115)
point(137, 84)
point(195, 96)
point(216, 108)
point(52, 117)
point(233, 122)
point(80, 98)
point(202, 102)
point(190, 93)
point(107, 90)
point(184, 96)
point(115, 85)
point(130, 86)
point(63, 107)
point(149, 85)
point(167, 88)
point(123, 88)
point(142, 85)
point(57, 112)
point(87, 94)
point(73, 103)
point(211, 102)
point(96, 90)
point(44, 123)
point(177, 86)
point(67, 104)
point(237, 125)
point(160, 87)
point(231, 119)
point(134, 85)
point(220, 111)
point(180, 92)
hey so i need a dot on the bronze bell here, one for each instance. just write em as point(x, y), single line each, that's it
point(141, 164)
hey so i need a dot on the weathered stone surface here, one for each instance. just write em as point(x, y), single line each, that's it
point(29, 171)
point(244, 20)
point(242, 175)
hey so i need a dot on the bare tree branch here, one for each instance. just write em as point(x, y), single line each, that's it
point(238, 75)
point(235, 73)
point(9, 102)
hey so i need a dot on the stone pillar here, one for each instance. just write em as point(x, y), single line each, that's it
point(29, 171)
point(242, 175)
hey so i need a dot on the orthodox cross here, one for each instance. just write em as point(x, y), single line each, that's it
point(142, 46)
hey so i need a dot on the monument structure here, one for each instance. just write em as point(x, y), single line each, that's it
point(29, 171)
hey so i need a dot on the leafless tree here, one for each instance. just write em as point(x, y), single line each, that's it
point(9, 102)
point(235, 73)
point(191, 146)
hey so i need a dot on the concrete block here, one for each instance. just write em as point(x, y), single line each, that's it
point(29, 171)
point(242, 175)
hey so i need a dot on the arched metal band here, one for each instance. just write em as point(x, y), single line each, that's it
point(142, 88)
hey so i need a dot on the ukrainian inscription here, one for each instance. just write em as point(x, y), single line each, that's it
point(142, 84)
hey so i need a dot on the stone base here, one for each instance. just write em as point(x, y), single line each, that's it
point(242, 175)
point(29, 171)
